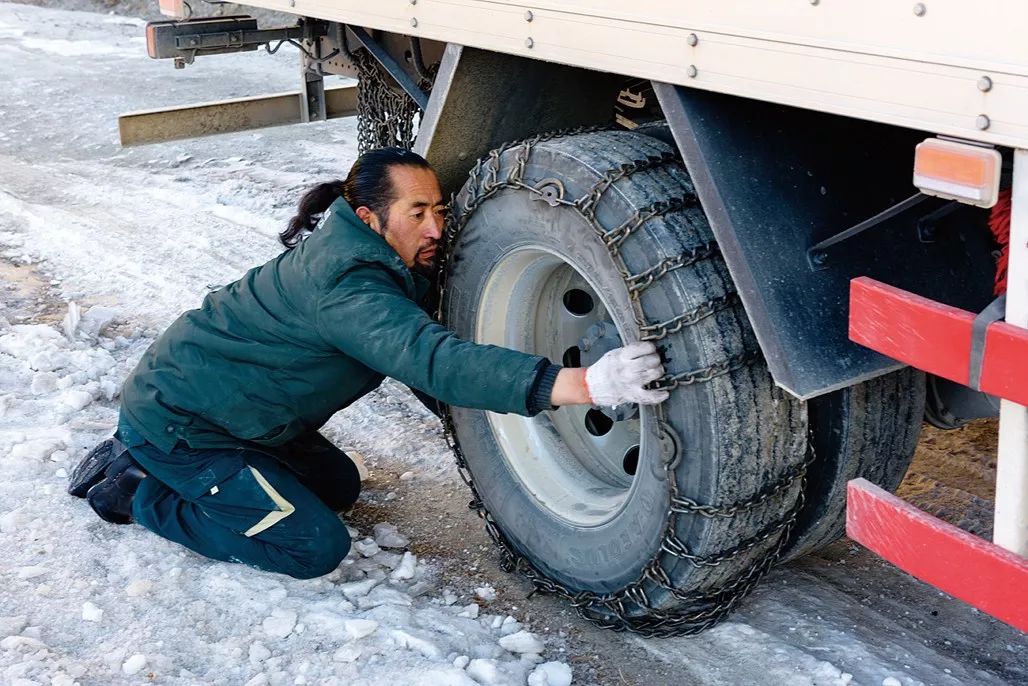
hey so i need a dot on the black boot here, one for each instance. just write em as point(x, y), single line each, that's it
point(90, 470)
point(112, 497)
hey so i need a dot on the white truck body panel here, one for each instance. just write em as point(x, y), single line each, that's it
point(880, 60)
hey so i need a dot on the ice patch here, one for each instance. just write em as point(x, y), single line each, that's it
point(91, 613)
point(367, 547)
point(134, 664)
point(550, 674)
point(421, 644)
point(37, 449)
point(280, 624)
point(22, 643)
point(386, 536)
point(76, 48)
point(521, 642)
point(486, 593)
point(406, 568)
point(359, 628)
point(483, 670)
point(347, 653)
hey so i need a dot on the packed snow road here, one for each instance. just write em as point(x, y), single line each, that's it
point(100, 248)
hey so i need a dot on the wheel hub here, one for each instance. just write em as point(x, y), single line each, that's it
point(579, 462)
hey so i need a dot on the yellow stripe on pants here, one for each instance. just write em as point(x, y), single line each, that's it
point(285, 508)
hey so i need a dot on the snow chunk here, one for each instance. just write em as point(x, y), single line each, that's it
point(358, 589)
point(96, 319)
point(471, 611)
point(407, 476)
point(550, 674)
point(521, 642)
point(258, 653)
point(91, 613)
point(75, 399)
point(386, 536)
point(137, 588)
point(461, 661)
point(509, 626)
point(39, 448)
point(13, 520)
point(408, 640)
point(71, 320)
point(26, 643)
point(891, 681)
point(483, 671)
point(280, 624)
point(134, 664)
point(43, 383)
point(367, 547)
point(348, 653)
point(406, 568)
point(13, 625)
point(31, 572)
point(486, 593)
point(359, 628)
point(384, 596)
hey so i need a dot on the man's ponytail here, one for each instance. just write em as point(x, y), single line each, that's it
point(312, 205)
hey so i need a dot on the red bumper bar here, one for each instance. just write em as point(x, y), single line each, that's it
point(966, 567)
point(937, 338)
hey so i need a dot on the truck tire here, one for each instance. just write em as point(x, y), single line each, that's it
point(868, 431)
point(580, 500)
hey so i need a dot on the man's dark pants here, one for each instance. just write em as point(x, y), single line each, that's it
point(277, 511)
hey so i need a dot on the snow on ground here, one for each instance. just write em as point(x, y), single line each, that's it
point(85, 601)
point(90, 602)
point(124, 241)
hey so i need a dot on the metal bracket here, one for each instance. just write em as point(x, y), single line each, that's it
point(312, 93)
point(184, 41)
point(927, 225)
point(817, 255)
point(402, 78)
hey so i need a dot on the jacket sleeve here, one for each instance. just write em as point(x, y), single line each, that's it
point(368, 316)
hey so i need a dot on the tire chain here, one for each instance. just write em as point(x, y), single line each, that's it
point(619, 610)
point(385, 114)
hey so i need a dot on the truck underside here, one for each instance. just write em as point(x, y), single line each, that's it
point(598, 201)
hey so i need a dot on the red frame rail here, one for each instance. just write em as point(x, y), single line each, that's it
point(958, 563)
point(937, 338)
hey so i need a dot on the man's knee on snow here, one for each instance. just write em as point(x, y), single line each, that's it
point(328, 544)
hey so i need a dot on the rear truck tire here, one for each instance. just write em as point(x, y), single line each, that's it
point(868, 431)
point(568, 245)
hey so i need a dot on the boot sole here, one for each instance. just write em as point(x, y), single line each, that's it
point(91, 470)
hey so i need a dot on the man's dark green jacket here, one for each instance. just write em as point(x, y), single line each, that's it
point(276, 353)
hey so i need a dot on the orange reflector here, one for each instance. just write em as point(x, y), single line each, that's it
point(957, 171)
point(173, 8)
point(151, 41)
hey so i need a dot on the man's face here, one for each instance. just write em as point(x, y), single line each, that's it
point(414, 223)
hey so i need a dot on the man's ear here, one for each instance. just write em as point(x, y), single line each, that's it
point(368, 217)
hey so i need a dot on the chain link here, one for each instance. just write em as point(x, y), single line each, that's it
point(654, 332)
point(385, 113)
point(631, 607)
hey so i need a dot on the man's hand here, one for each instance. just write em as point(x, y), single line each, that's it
point(616, 378)
point(620, 376)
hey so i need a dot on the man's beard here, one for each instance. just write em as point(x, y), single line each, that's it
point(426, 268)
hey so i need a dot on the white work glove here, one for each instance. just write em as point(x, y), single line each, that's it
point(619, 376)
